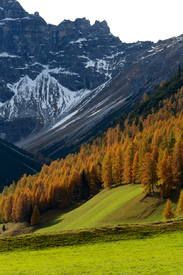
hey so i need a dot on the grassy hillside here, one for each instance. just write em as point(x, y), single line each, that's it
point(14, 163)
point(114, 206)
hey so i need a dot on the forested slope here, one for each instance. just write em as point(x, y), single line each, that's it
point(149, 151)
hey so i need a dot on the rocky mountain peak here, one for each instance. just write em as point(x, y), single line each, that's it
point(11, 9)
point(102, 26)
point(82, 23)
point(74, 74)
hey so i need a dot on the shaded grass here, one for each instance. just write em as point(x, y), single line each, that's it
point(90, 236)
point(136, 211)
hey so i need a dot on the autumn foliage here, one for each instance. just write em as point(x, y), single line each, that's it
point(35, 217)
point(147, 150)
point(179, 208)
point(168, 211)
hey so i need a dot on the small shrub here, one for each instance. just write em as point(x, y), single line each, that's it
point(168, 211)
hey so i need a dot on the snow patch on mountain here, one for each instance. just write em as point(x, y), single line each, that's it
point(61, 70)
point(65, 119)
point(43, 97)
point(78, 41)
point(5, 54)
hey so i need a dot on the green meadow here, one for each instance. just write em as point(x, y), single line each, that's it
point(118, 231)
point(159, 254)
point(112, 206)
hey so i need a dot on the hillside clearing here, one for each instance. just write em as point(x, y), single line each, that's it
point(113, 206)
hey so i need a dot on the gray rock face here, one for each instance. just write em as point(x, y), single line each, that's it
point(11, 9)
point(58, 82)
point(45, 69)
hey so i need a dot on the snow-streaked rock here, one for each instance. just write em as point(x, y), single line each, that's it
point(59, 85)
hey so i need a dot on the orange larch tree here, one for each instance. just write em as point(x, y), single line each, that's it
point(19, 216)
point(94, 179)
point(165, 174)
point(36, 217)
point(8, 208)
point(178, 162)
point(135, 168)
point(149, 174)
point(2, 203)
point(50, 196)
point(179, 208)
point(117, 166)
point(14, 207)
point(168, 211)
point(128, 163)
point(107, 170)
point(155, 153)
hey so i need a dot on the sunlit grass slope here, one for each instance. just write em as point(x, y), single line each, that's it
point(110, 207)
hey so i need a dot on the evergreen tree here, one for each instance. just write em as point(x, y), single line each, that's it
point(95, 177)
point(3, 217)
point(140, 126)
point(94, 189)
point(84, 187)
point(42, 203)
point(74, 185)
point(29, 214)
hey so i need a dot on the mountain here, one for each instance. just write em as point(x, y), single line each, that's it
point(15, 162)
point(59, 85)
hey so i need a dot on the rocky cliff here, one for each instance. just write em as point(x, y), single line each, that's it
point(58, 83)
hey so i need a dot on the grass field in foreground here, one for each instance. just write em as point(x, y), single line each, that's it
point(160, 254)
